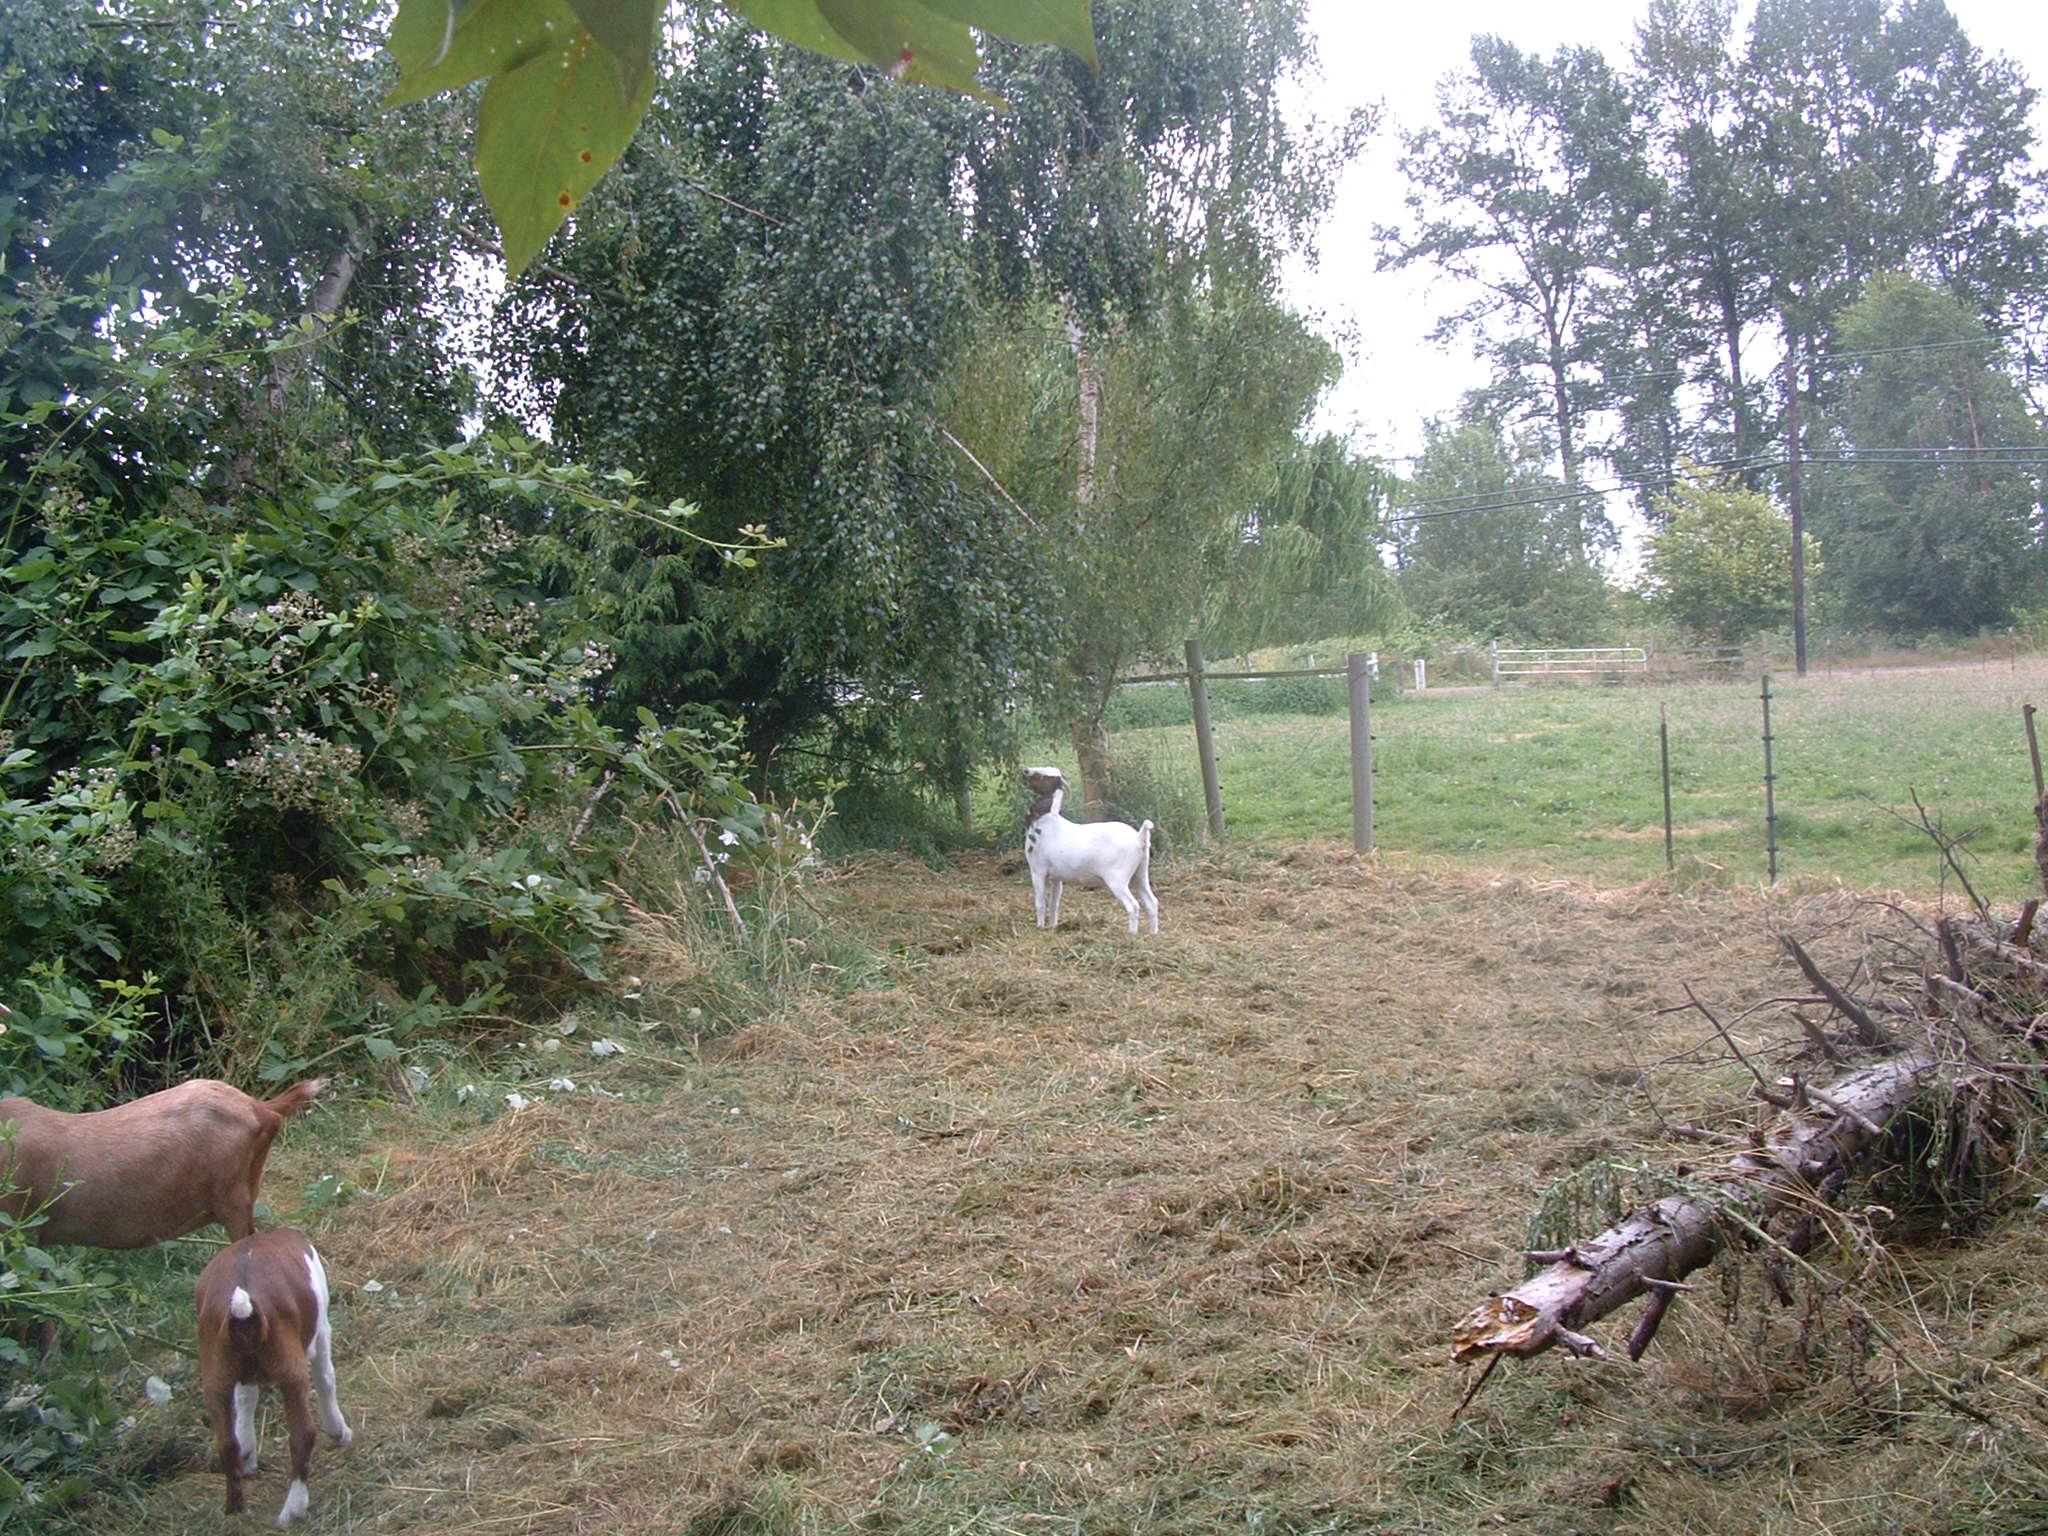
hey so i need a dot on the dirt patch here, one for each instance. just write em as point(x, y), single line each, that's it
point(1073, 1230)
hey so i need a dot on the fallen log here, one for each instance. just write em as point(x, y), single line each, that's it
point(1821, 1141)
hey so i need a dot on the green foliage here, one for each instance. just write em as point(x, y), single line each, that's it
point(247, 748)
point(60, 1035)
point(1494, 547)
point(1534, 176)
point(66, 1414)
point(1720, 564)
point(774, 358)
point(1304, 560)
point(1926, 528)
point(570, 79)
point(1630, 231)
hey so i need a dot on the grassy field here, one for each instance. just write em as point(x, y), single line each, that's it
point(1564, 779)
point(1026, 1233)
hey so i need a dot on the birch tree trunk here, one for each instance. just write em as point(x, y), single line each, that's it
point(1808, 1150)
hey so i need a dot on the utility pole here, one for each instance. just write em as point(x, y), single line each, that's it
point(1792, 505)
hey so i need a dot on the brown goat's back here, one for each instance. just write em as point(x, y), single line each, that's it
point(146, 1171)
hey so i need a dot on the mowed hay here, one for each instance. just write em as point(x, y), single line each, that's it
point(1069, 1230)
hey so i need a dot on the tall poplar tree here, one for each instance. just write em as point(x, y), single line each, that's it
point(1525, 190)
point(1934, 520)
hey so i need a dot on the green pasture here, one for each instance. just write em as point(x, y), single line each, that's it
point(1563, 778)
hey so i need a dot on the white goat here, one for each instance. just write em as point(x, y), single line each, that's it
point(262, 1307)
point(145, 1171)
point(1110, 854)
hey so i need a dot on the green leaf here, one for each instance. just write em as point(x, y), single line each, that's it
point(1065, 22)
point(626, 28)
point(493, 37)
point(909, 41)
point(545, 134)
point(379, 1048)
point(800, 22)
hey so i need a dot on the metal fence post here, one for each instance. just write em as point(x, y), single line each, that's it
point(1358, 675)
point(1205, 738)
point(1664, 754)
point(1770, 788)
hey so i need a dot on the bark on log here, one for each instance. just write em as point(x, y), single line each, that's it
point(1805, 1150)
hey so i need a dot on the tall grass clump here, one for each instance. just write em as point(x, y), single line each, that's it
point(721, 924)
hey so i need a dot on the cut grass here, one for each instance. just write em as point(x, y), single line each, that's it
point(1069, 1231)
point(1564, 779)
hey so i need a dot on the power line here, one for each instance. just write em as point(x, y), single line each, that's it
point(1870, 458)
point(1615, 381)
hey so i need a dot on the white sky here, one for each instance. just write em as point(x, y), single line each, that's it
point(1394, 377)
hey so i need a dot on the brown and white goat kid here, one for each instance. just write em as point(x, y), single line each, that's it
point(1110, 854)
point(263, 1323)
point(146, 1171)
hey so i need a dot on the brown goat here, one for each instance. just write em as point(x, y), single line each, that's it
point(262, 1307)
point(146, 1171)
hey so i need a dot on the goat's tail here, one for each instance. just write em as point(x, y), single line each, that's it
point(296, 1097)
point(1145, 840)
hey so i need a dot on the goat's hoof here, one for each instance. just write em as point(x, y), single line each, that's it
point(342, 1436)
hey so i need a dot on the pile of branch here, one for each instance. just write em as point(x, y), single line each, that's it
point(1958, 1015)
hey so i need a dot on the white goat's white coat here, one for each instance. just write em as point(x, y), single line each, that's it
point(1111, 854)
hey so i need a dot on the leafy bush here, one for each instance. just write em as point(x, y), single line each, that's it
point(316, 768)
point(1148, 705)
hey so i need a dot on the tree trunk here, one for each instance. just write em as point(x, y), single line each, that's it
point(1809, 1150)
point(1088, 409)
point(322, 305)
point(1091, 753)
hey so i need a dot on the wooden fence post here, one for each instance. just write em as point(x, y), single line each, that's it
point(1359, 676)
point(1205, 738)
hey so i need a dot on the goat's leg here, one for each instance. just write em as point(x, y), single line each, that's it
point(234, 1204)
point(222, 1413)
point(1144, 887)
point(298, 1412)
point(320, 1356)
point(245, 1424)
point(1057, 887)
point(320, 1364)
point(1038, 892)
point(1121, 890)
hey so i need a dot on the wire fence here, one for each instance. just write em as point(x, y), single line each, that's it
point(1869, 769)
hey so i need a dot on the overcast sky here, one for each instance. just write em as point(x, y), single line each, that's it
point(1395, 54)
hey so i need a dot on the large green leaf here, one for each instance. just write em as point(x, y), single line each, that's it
point(800, 22)
point(909, 41)
point(440, 46)
point(1065, 22)
point(570, 79)
point(546, 132)
point(626, 28)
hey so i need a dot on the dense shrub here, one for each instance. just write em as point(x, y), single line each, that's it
point(316, 771)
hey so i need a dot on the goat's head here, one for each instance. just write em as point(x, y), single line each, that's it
point(1044, 781)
